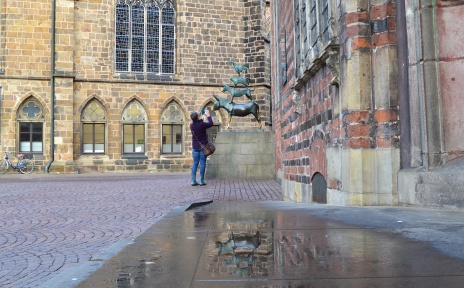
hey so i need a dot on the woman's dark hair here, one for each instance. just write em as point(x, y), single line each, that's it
point(194, 116)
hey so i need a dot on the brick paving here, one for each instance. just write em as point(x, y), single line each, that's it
point(49, 223)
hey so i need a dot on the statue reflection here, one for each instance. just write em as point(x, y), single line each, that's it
point(241, 253)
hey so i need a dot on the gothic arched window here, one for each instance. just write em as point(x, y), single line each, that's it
point(212, 131)
point(172, 125)
point(93, 121)
point(134, 119)
point(30, 119)
point(145, 36)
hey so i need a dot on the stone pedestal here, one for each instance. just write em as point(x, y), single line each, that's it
point(242, 154)
point(438, 188)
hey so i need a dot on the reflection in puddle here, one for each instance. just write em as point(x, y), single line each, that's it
point(261, 253)
point(275, 249)
point(242, 253)
point(257, 249)
point(314, 248)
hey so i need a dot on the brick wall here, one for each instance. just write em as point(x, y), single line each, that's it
point(340, 118)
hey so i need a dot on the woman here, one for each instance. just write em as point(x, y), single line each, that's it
point(198, 128)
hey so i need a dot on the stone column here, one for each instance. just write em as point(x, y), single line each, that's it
point(257, 47)
point(368, 104)
point(64, 87)
point(424, 84)
point(435, 178)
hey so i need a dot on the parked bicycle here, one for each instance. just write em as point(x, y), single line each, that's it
point(23, 165)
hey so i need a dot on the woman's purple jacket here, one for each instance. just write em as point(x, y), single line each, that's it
point(199, 129)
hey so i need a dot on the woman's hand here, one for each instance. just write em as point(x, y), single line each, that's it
point(207, 113)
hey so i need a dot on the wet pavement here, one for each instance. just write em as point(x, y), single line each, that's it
point(279, 244)
point(54, 225)
point(155, 230)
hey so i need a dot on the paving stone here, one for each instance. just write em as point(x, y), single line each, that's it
point(50, 223)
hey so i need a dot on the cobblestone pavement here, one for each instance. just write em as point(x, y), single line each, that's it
point(49, 223)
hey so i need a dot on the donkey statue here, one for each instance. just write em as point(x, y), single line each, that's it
point(237, 92)
point(240, 110)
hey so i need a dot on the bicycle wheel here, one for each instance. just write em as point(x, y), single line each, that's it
point(3, 166)
point(28, 166)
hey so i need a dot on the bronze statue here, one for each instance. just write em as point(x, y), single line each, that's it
point(239, 68)
point(237, 92)
point(233, 109)
point(238, 109)
point(240, 80)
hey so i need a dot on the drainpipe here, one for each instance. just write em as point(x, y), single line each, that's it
point(1, 100)
point(403, 75)
point(52, 91)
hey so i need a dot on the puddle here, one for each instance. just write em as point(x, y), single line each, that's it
point(273, 248)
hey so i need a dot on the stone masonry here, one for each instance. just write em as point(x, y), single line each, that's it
point(207, 35)
point(337, 112)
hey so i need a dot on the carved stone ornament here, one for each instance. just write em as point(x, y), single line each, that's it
point(333, 63)
point(134, 112)
point(297, 102)
point(94, 111)
point(30, 110)
point(172, 114)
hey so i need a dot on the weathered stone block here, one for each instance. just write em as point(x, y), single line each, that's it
point(358, 82)
point(248, 146)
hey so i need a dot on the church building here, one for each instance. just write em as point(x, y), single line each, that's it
point(367, 101)
point(108, 85)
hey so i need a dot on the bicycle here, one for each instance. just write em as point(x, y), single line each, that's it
point(25, 166)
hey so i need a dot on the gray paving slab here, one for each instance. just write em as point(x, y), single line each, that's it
point(278, 244)
point(51, 225)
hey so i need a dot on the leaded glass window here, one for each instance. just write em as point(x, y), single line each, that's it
point(297, 38)
point(134, 118)
point(325, 22)
point(30, 117)
point(312, 32)
point(145, 36)
point(93, 120)
point(305, 34)
point(168, 32)
point(313, 17)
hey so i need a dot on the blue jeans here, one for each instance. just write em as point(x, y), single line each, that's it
point(198, 157)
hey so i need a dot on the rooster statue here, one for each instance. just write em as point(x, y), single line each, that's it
point(239, 68)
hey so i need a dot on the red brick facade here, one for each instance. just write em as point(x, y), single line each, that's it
point(343, 100)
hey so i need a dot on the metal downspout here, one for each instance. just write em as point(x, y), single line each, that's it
point(52, 91)
point(403, 75)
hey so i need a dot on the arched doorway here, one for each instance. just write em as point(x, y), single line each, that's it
point(319, 187)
